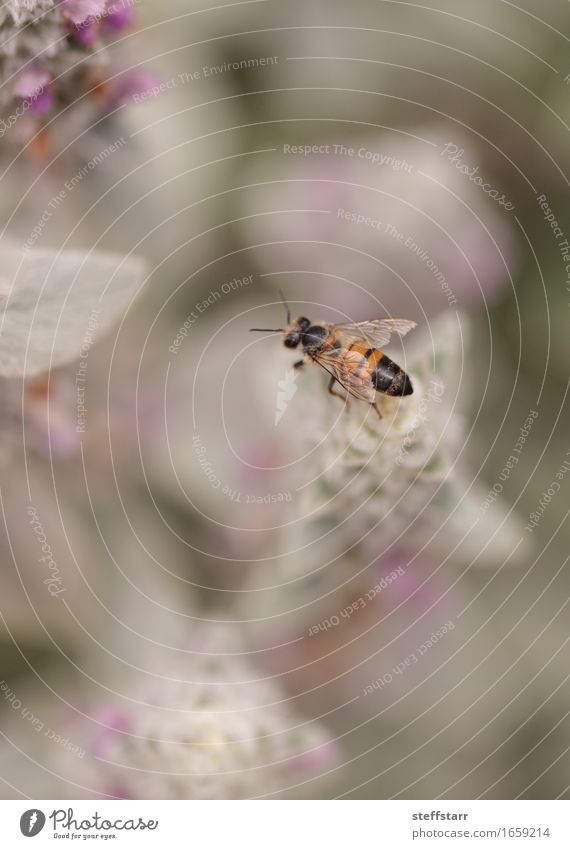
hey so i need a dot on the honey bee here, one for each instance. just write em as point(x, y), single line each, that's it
point(350, 353)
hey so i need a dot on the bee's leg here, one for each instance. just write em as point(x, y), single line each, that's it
point(338, 394)
point(380, 416)
point(299, 364)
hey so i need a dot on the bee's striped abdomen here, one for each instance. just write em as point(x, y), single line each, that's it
point(389, 378)
point(385, 374)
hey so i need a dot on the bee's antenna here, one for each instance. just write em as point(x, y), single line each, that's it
point(266, 330)
point(286, 305)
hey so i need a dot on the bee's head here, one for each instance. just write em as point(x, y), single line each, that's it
point(294, 331)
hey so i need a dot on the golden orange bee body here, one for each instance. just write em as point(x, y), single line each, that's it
point(351, 353)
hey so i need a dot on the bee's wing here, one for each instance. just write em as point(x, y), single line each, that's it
point(376, 332)
point(343, 365)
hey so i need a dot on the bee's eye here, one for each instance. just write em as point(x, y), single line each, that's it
point(292, 339)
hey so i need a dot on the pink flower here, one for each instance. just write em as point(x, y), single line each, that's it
point(79, 10)
point(85, 33)
point(70, 36)
point(112, 722)
point(31, 81)
point(218, 728)
point(43, 102)
point(317, 760)
point(118, 15)
point(131, 82)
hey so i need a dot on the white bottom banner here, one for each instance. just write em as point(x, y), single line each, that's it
point(288, 824)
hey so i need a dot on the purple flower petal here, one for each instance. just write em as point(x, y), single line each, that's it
point(317, 759)
point(133, 82)
point(119, 14)
point(113, 722)
point(79, 10)
point(43, 102)
point(31, 81)
point(85, 33)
